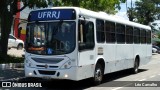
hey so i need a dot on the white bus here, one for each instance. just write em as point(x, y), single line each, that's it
point(74, 43)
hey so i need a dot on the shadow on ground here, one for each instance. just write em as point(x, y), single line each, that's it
point(10, 71)
point(10, 74)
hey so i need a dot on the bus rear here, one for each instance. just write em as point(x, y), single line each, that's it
point(51, 44)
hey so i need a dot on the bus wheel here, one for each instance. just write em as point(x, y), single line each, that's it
point(98, 74)
point(136, 66)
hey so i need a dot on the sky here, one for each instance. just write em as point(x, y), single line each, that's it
point(123, 11)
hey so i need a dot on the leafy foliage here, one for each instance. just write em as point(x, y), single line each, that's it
point(146, 11)
point(108, 6)
point(9, 8)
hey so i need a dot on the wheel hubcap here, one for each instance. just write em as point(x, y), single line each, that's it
point(98, 75)
point(136, 66)
point(20, 47)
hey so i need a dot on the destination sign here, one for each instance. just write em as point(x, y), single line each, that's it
point(52, 14)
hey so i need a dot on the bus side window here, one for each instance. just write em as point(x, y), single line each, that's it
point(86, 35)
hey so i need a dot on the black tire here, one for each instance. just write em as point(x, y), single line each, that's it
point(19, 47)
point(136, 66)
point(98, 75)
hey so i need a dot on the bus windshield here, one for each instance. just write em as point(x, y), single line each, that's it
point(51, 38)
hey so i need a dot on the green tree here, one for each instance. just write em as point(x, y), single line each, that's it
point(108, 6)
point(145, 11)
point(131, 14)
point(8, 9)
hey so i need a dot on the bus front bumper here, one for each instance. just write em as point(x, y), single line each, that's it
point(69, 74)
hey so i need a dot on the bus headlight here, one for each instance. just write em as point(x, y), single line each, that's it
point(66, 65)
point(28, 63)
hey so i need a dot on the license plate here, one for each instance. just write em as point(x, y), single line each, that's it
point(46, 77)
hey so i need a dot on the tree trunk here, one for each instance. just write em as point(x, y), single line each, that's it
point(6, 16)
point(6, 19)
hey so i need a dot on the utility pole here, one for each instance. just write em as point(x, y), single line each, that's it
point(131, 9)
point(126, 6)
point(130, 13)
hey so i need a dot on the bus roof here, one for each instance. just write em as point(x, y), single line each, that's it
point(93, 14)
point(111, 18)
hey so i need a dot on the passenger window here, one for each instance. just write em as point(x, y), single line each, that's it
point(129, 34)
point(100, 31)
point(136, 35)
point(143, 36)
point(148, 37)
point(120, 33)
point(110, 32)
point(86, 35)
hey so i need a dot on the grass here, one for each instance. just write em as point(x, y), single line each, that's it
point(11, 59)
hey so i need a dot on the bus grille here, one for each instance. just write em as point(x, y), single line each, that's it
point(43, 66)
point(46, 72)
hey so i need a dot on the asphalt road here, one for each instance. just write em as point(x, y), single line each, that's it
point(122, 80)
point(149, 72)
point(152, 80)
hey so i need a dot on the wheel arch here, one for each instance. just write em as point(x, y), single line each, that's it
point(101, 61)
point(20, 44)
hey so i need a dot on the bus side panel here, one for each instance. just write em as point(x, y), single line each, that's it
point(143, 54)
point(86, 64)
point(149, 53)
point(124, 56)
point(120, 57)
point(129, 56)
point(109, 57)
